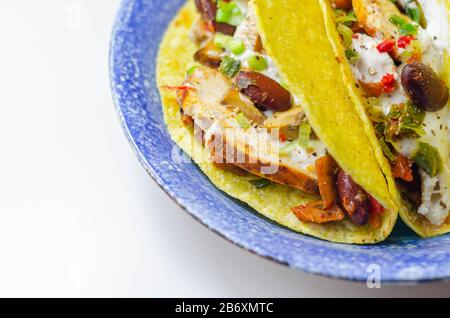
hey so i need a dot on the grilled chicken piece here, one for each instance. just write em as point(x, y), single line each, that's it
point(374, 16)
point(254, 149)
point(247, 32)
point(314, 212)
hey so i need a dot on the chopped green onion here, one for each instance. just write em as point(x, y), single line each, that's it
point(386, 150)
point(404, 27)
point(415, 113)
point(304, 134)
point(395, 111)
point(260, 183)
point(406, 55)
point(380, 129)
point(237, 17)
point(410, 121)
point(413, 48)
point(236, 46)
point(346, 18)
point(428, 159)
point(351, 55)
point(191, 69)
point(228, 42)
point(222, 40)
point(224, 12)
point(346, 34)
point(229, 12)
point(373, 110)
point(413, 13)
point(397, 20)
point(243, 121)
point(229, 67)
point(408, 29)
point(409, 128)
point(223, 15)
point(257, 62)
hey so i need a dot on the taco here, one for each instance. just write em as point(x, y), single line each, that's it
point(395, 59)
point(260, 124)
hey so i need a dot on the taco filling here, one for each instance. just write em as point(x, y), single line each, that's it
point(397, 54)
point(251, 123)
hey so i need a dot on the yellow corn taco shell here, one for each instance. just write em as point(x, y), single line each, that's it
point(340, 131)
point(417, 223)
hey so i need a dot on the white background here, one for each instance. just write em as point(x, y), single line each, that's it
point(78, 214)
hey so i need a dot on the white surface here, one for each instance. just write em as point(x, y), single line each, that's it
point(78, 214)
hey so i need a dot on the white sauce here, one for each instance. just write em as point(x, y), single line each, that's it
point(437, 22)
point(435, 197)
point(306, 158)
point(372, 65)
point(435, 39)
point(407, 146)
point(397, 97)
point(271, 70)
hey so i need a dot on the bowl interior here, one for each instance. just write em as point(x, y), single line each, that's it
point(139, 27)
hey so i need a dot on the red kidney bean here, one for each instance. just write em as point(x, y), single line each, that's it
point(264, 91)
point(352, 198)
point(424, 87)
point(208, 10)
point(225, 28)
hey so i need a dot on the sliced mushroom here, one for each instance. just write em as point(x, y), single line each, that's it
point(209, 55)
point(245, 105)
point(286, 122)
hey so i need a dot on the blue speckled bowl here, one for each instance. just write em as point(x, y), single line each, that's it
point(139, 27)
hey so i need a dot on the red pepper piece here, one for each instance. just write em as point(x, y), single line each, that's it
point(404, 41)
point(402, 168)
point(388, 81)
point(374, 206)
point(386, 46)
